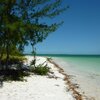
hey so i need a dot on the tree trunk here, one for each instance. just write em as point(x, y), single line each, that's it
point(1, 59)
point(34, 54)
point(7, 55)
point(1, 55)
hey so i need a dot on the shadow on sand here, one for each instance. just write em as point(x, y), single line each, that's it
point(1, 80)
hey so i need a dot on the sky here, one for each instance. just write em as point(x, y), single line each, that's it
point(80, 33)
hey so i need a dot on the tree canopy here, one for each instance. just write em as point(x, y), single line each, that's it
point(20, 22)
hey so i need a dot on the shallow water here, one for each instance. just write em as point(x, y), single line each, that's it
point(87, 64)
point(85, 72)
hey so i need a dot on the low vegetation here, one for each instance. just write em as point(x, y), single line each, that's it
point(17, 71)
point(12, 59)
point(13, 75)
point(41, 70)
point(20, 26)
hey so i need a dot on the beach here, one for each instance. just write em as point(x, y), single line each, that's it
point(64, 82)
point(88, 79)
point(36, 87)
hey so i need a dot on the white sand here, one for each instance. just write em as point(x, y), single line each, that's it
point(37, 87)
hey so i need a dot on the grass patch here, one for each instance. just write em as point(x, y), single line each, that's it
point(41, 70)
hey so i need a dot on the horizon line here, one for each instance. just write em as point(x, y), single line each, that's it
point(65, 54)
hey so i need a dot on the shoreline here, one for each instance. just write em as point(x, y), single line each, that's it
point(88, 83)
point(72, 87)
point(49, 87)
point(67, 79)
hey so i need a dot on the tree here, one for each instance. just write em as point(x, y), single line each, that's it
point(20, 22)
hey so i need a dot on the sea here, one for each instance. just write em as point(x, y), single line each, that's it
point(85, 71)
point(86, 63)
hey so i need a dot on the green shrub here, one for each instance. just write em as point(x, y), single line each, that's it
point(13, 75)
point(41, 70)
point(33, 62)
point(12, 59)
point(15, 69)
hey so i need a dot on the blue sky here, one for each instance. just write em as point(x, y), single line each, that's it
point(80, 33)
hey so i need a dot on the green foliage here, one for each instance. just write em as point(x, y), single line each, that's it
point(33, 62)
point(20, 23)
point(13, 59)
point(21, 20)
point(13, 75)
point(41, 70)
point(15, 72)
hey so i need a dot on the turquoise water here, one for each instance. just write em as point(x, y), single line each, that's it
point(85, 71)
point(87, 63)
